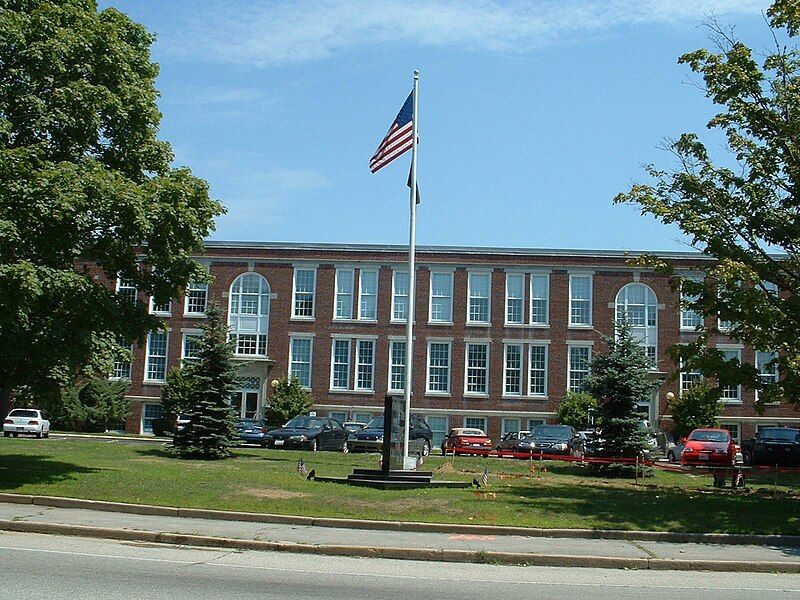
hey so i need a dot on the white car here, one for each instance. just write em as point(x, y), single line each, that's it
point(27, 421)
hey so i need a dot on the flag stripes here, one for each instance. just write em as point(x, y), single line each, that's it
point(398, 140)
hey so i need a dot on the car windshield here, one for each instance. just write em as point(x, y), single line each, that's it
point(249, 423)
point(709, 436)
point(376, 423)
point(550, 431)
point(304, 423)
point(18, 412)
point(786, 434)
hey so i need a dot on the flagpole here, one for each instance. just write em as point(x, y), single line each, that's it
point(412, 285)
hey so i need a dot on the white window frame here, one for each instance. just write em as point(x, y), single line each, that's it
point(546, 322)
point(546, 348)
point(127, 288)
point(764, 376)
point(148, 357)
point(337, 293)
point(484, 425)
point(295, 292)
point(260, 317)
point(506, 421)
point(349, 343)
point(393, 365)
point(295, 337)
point(362, 294)
point(570, 347)
point(590, 300)
point(186, 334)
point(428, 390)
point(646, 334)
point(725, 389)
point(145, 418)
point(689, 316)
point(195, 287)
point(485, 369)
point(509, 276)
point(520, 369)
point(121, 368)
point(687, 379)
point(154, 309)
point(431, 320)
point(358, 365)
point(471, 297)
point(738, 437)
point(395, 296)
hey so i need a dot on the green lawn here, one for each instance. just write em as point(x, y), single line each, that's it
point(267, 481)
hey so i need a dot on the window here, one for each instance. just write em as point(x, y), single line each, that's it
point(723, 293)
point(361, 417)
point(731, 393)
point(368, 295)
point(509, 425)
point(688, 379)
point(636, 304)
point(578, 368)
point(768, 373)
point(300, 360)
point(122, 368)
point(475, 423)
point(156, 363)
point(399, 296)
point(305, 281)
point(540, 292)
point(440, 426)
point(338, 416)
point(397, 366)
point(191, 346)
point(344, 294)
point(128, 290)
point(733, 428)
point(441, 298)
point(150, 413)
point(248, 314)
point(439, 367)
point(340, 371)
point(513, 370)
point(580, 300)
point(534, 422)
point(365, 364)
point(515, 298)
point(164, 309)
point(477, 369)
point(690, 320)
point(479, 292)
point(245, 397)
point(537, 363)
point(196, 299)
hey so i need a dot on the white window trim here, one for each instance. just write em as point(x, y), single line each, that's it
point(303, 336)
point(487, 273)
point(546, 322)
point(738, 349)
point(428, 391)
point(683, 310)
point(588, 325)
point(147, 360)
point(360, 281)
point(336, 294)
point(487, 344)
point(433, 272)
point(506, 322)
point(357, 362)
point(485, 422)
point(391, 317)
point(313, 316)
point(760, 372)
point(571, 343)
point(194, 315)
point(546, 347)
point(349, 340)
point(506, 393)
point(141, 417)
point(159, 313)
point(389, 388)
point(184, 334)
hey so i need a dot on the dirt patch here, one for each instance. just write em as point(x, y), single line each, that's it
point(271, 493)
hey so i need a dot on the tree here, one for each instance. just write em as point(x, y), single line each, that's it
point(176, 396)
point(84, 181)
point(745, 217)
point(576, 409)
point(699, 406)
point(211, 430)
point(619, 381)
point(289, 399)
point(95, 405)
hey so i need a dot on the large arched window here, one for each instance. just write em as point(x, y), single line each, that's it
point(637, 304)
point(248, 314)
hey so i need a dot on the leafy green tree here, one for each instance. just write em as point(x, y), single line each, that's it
point(699, 406)
point(741, 210)
point(211, 430)
point(96, 405)
point(619, 381)
point(288, 400)
point(575, 409)
point(84, 181)
point(176, 396)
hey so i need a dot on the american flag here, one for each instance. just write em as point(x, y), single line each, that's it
point(398, 139)
point(485, 476)
point(301, 468)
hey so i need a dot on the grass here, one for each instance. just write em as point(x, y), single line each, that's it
point(266, 481)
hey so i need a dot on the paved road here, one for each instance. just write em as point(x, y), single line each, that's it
point(41, 566)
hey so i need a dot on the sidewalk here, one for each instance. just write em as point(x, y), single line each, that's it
point(39, 515)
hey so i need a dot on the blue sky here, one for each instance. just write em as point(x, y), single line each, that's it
point(533, 115)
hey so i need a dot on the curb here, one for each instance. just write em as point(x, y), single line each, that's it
point(407, 526)
point(425, 554)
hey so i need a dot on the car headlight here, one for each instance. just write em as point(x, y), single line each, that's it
point(561, 446)
point(298, 438)
point(533, 444)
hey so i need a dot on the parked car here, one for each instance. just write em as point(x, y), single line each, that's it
point(353, 426)
point(251, 431)
point(510, 442)
point(676, 450)
point(463, 440)
point(773, 446)
point(709, 446)
point(308, 433)
point(26, 421)
point(370, 439)
point(553, 439)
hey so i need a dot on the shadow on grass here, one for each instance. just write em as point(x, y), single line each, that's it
point(23, 469)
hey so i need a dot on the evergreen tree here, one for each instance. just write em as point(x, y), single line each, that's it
point(619, 381)
point(211, 430)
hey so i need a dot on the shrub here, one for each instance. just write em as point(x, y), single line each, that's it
point(699, 406)
point(289, 399)
point(575, 409)
point(94, 406)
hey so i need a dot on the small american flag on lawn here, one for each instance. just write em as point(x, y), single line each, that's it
point(485, 476)
point(399, 138)
point(301, 468)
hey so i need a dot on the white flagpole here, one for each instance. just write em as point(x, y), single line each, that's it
point(412, 286)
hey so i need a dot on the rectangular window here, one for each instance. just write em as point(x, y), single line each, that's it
point(122, 368)
point(733, 428)
point(338, 416)
point(344, 294)
point(164, 309)
point(397, 362)
point(537, 366)
point(534, 422)
point(191, 347)
point(690, 320)
point(515, 298)
point(477, 369)
point(441, 298)
point(250, 344)
point(305, 281)
point(513, 370)
point(439, 367)
point(340, 371)
point(480, 286)
point(368, 295)
point(732, 393)
point(440, 426)
point(579, 357)
point(128, 290)
point(767, 373)
point(196, 299)
point(156, 363)
point(475, 423)
point(688, 379)
point(150, 413)
point(365, 362)
point(399, 296)
point(540, 293)
point(300, 360)
point(361, 417)
point(580, 300)
point(510, 425)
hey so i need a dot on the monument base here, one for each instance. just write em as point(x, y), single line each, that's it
point(393, 479)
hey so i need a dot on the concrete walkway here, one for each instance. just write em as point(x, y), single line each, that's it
point(58, 516)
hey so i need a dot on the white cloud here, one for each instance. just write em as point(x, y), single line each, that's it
point(279, 32)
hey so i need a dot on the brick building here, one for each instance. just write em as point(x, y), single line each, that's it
point(500, 334)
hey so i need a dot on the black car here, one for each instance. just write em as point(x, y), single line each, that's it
point(511, 441)
point(773, 446)
point(553, 439)
point(370, 439)
point(308, 433)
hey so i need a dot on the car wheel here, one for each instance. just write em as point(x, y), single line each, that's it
point(747, 456)
point(46, 434)
point(6, 434)
point(345, 447)
point(426, 448)
point(671, 456)
point(38, 435)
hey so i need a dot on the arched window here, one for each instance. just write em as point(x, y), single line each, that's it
point(637, 304)
point(248, 314)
